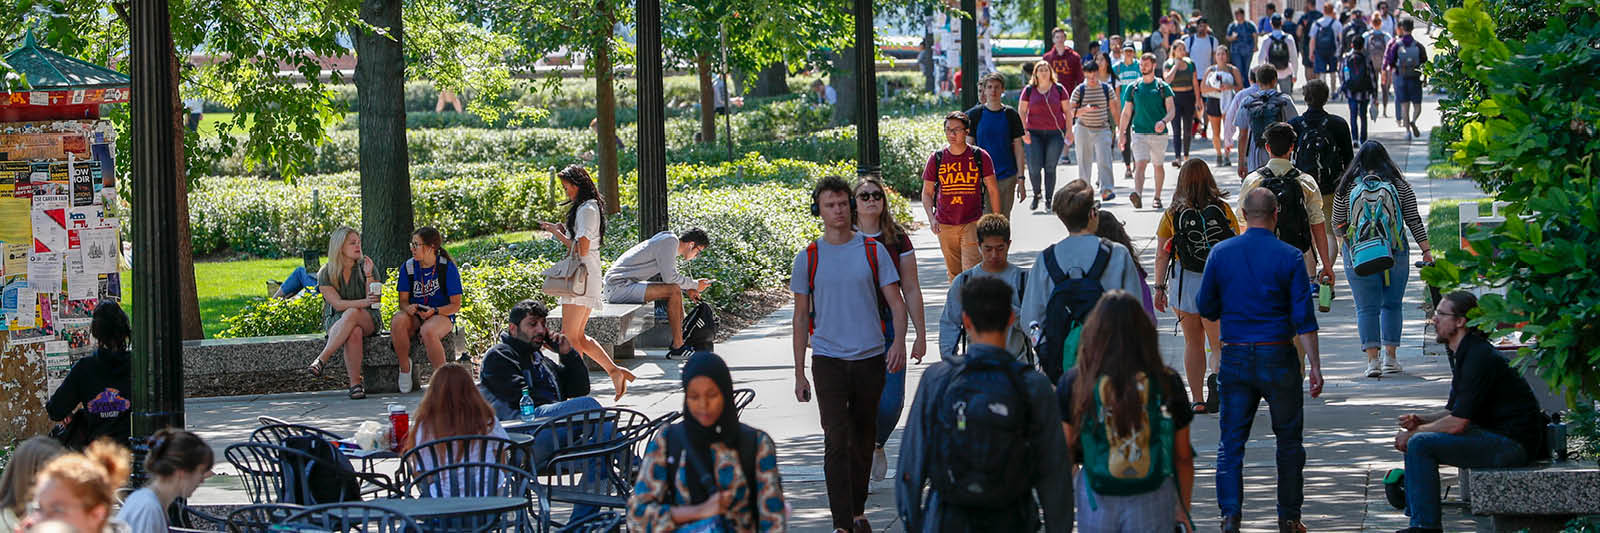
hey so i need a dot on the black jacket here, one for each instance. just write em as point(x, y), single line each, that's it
point(512, 364)
point(103, 385)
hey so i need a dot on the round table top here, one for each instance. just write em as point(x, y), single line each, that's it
point(436, 507)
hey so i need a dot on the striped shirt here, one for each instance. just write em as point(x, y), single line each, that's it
point(1408, 210)
point(1093, 105)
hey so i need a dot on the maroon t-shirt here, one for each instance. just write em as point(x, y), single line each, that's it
point(959, 182)
point(1068, 66)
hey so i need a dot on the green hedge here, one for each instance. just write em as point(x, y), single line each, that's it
point(542, 146)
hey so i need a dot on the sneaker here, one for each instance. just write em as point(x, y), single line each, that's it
point(1106, 195)
point(1035, 206)
point(405, 382)
point(1390, 365)
point(681, 352)
point(1230, 524)
point(1177, 163)
point(1291, 526)
point(880, 464)
point(1134, 198)
point(1372, 368)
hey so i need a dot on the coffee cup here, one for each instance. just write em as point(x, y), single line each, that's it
point(375, 288)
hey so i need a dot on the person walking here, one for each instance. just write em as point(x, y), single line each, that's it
point(1359, 86)
point(1199, 219)
point(177, 462)
point(874, 220)
point(1323, 44)
point(1127, 424)
point(1256, 112)
point(1303, 36)
point(1371, 201)
point(1403, 63)
point(1322, 149)
point(1256, 287)
point(627, 282)
point(582, 233)
point(986, 475)
point(1094, 109)
point(1043, 106)
point(1301, 222)
point(994, 242)
point(1217, 88)
point(1278, 49)
point(1001, 136)
point(1376, 44)
point(1491, 419)
point(1127, 72)
point(682, 483)
point(1241, 41)
point(1265, 24)
point(1160, 41)
point(349, 305)
point(1180, 73)
point(951, 195)
point(838, 283)
point(1148, 109)
point(1064, 62)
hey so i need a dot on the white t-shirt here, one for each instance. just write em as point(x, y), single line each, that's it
point(143, 511)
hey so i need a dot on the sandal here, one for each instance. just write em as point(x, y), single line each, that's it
point(316, 368)
point(1156, 202)
point(357, 392)
point(1199, 408)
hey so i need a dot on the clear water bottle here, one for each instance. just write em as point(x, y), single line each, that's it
point(527, 406)
point(1556, 437)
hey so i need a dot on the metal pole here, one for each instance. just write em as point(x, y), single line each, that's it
point(1049, 24)
point(969, 54)
point(866, 78)
point(157, 331)
point(727, 92)
point(652, 122)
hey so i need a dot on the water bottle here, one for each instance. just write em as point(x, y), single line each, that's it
point(1324, 296)
point(1556, 436)
point(528, 406)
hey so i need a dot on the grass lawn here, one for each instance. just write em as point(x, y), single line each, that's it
point(209, 123)
point(1444, 217)
point(226, 286)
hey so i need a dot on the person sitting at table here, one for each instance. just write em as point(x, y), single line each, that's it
point(517, 362)
point(698, 494)
point(450, 408)
point(178, 462)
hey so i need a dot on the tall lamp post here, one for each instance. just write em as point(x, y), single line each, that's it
point(652, 122)
point(867, 160)
point(969, 54)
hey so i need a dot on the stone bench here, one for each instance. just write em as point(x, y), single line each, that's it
point(1539, 498)
point(257, 365)
point(613, 327)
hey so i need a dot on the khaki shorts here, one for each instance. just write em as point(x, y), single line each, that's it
point(1149, 146)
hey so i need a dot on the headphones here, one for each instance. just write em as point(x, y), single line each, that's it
point(816, 208)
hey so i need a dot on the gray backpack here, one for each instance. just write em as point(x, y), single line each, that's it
point(1408, 60)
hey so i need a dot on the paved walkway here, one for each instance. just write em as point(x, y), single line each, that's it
point(1348, 429)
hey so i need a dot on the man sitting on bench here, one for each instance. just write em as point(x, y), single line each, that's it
point(627, 280)
point(517, 362)
point(1491, 419)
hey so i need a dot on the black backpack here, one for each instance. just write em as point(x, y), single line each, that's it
point(1071, 299)
point(981, 418)
point(1195, 232)
point(1326, 41)
point(1278, 51)
point(1356, 72)
point(1265, 109)
point(747, 462)
point(1315, 152)
point(700, 327)
point(323, 484)
point(1294, 223)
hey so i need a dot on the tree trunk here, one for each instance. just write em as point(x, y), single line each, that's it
point(708, 99)
point(606, 125)
point(772, 80)
point(1218, 14)
point(189, 301)
point(842, 78)
point(1080, 26)
point(386, 212)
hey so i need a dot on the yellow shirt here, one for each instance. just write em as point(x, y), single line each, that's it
point(1165, 231)
point(1312, 195)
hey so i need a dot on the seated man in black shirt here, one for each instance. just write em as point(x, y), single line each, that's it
point(1491, 419)
point(517, 363)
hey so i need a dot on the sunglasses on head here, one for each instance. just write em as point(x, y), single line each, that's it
point(870, 195)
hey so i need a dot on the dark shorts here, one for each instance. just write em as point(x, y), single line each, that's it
point(1213, 107)
point(1324, 66)
point(1408, 89)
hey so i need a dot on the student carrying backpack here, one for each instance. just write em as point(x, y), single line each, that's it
point(1072, 296)
point(1374, 231)
point(1356, 74)
point(885, 315)
point(982, 416)
point(1265, 109)
point(1025, 354)
point(1294, 223)
point(1408, 60)
point(1326, 40)
point(1317, 153)
point(1125, 464)
point(1278, 51)
point(1196, 231)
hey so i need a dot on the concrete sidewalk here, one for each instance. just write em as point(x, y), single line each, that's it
point(1348, 430)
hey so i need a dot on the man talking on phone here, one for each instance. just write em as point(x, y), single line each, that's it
point(627, 280)
point(517, 362)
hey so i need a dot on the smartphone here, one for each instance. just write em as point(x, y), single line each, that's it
point(805, 395)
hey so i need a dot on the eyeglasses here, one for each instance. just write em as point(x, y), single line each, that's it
point(870, 196)
point(1452, 315)
point(955, 130)
point(415, 245)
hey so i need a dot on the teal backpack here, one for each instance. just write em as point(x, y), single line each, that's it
point(1374, 226)
point(1125, 465)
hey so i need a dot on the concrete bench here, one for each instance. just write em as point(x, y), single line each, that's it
point(613, 327)
point(256, 365)
point(1539, 498)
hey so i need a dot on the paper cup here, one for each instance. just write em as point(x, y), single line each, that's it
point(375, 288)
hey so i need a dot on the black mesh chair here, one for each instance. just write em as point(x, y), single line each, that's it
point(595, 463)
point(476, 480)
point(277, 433)
point(278, 474)
point(742, 398)
point(601, 522)
point(260, 518)
point(461, 449)
point(352, 518)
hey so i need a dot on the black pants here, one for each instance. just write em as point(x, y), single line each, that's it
point(1182, 124)
point(847, 396)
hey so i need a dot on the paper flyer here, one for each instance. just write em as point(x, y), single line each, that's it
point(84, 217)
point(49, 221)
point(81, 284)
point(78, 339)
point(111, 286)
point(79, 311)
point(57, 363)
point(16, 258)
point(24, 314)
point(81, 176)
point(16, 224)
point(99, 249)
point(9, 287)
point(44, 271)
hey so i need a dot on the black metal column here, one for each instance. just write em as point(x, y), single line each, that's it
point(969, 54)
point(1114, 24)
point(867, 160)
point(652, 122)
point(157, 330)
point(1049, 9)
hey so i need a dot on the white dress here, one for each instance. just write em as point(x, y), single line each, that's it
point(588, 225)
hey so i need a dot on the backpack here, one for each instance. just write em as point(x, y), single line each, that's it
point(700, 326)
point(1408, 60)
point(1026, 357)
point(1071, 299)
point(1265, 109)
point(1105, 90)
point(321, 483)
point(747, 464)
point(1351, 31)
point(1374, 227)
point(982, 418)
point(1294, 223)
point(1315, 152)
point(885, 315)
point(1125, 465)
point(1278, 51)
point(1327, 41)
point(1196, 232)
point(1377, 45)
point(1356, 74)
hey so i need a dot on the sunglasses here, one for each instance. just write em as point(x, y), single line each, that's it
point(870, 196)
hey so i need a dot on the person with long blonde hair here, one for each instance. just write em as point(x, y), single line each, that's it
point(349, 308)
point(16, 484)
point(1043, 106)
point(80, 489)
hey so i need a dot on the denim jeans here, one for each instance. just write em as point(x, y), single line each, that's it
point(1379, 301)
point(1474, 448)
point(545, 443)
point(298, 280)
point(1043, 153)
point(1241, 60)
point(890, 404)
point(1094, 152)
point(1358, 119)
point(1249, 374)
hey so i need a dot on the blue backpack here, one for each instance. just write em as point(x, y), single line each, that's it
point(1374, 231)
point(1071, 299)
point(1327, 42)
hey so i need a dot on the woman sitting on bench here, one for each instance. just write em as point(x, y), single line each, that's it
point(349, 305)
point(430, 296)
